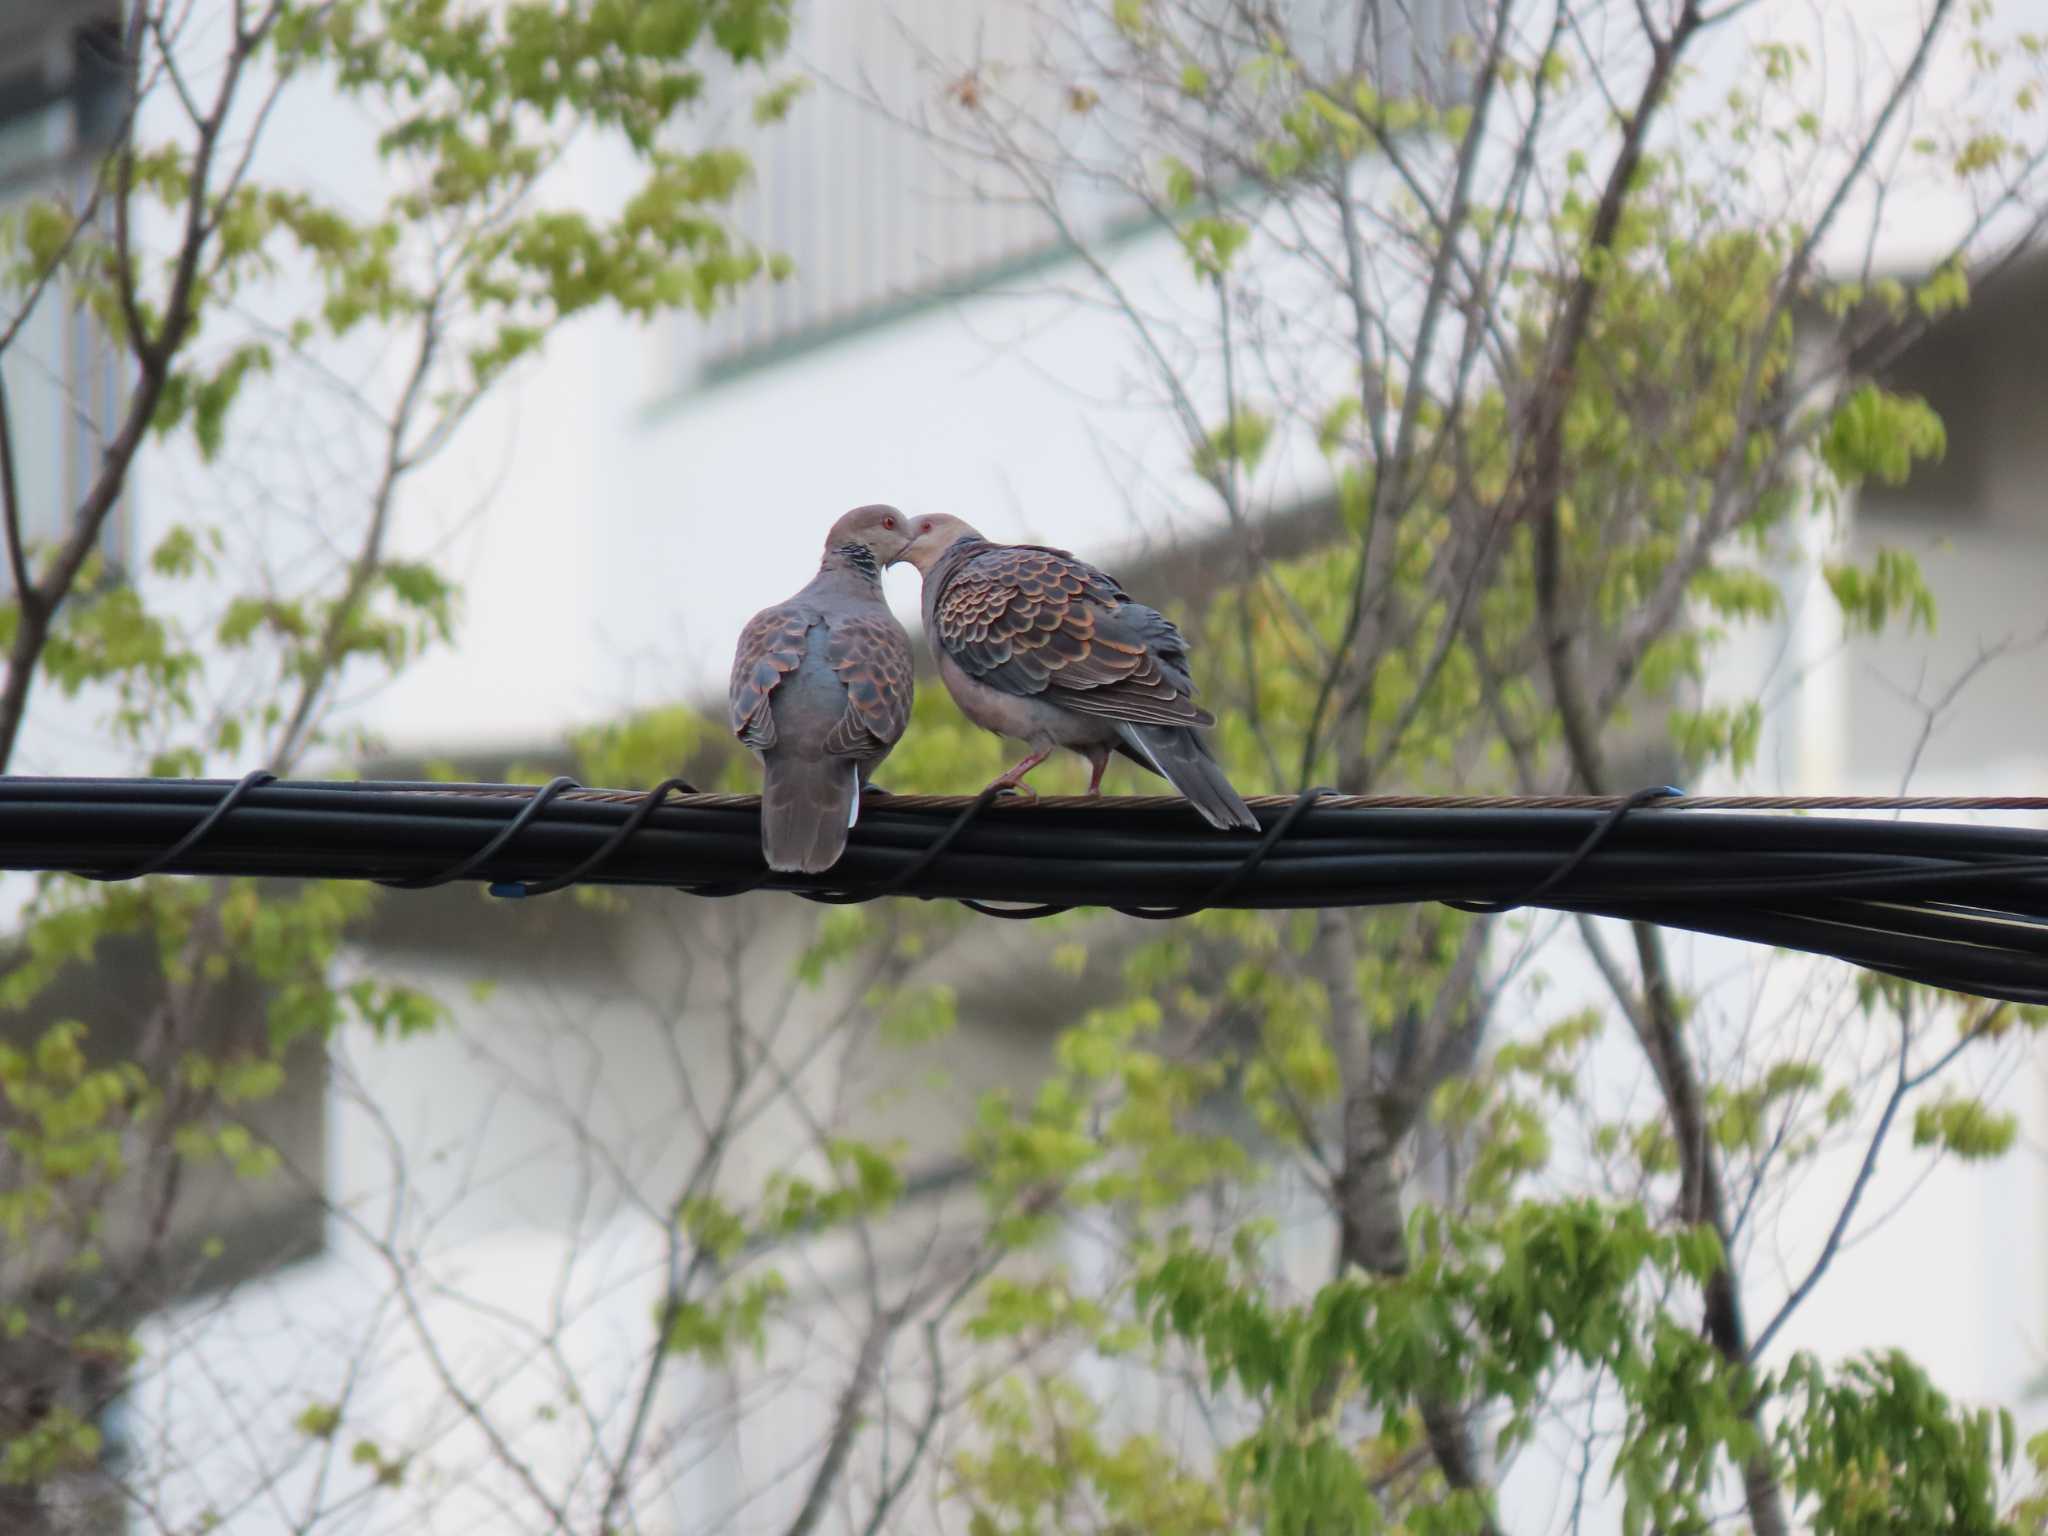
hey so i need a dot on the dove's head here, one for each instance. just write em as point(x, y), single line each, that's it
point(931, 537)
point(879, 530)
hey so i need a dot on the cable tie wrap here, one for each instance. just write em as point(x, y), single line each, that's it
point(475, 861)
point(518, 890)
point(254, 779)
point(1230, 883)
point(1602, 830)
point(901, 881)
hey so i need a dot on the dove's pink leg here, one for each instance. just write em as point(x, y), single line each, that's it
point(1097, 761)
point(1014, 779)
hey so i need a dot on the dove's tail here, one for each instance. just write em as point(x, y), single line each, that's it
point(807, 806)
point(1181, 757)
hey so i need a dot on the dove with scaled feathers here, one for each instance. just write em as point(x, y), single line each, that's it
point(1038, 646)
point(821, 691)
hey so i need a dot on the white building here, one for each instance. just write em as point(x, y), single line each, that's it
point(642, 490)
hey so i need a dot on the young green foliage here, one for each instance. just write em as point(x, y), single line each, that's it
point(209, 272)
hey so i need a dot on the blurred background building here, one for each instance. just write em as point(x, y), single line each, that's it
point(640, 492)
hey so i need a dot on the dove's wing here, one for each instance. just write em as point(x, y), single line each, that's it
point(771, 646)
point(1039, 623)
point(871, 655)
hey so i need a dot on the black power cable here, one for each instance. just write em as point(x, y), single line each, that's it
point(1961, 906)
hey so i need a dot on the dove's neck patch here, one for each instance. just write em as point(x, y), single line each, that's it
point(857, 557)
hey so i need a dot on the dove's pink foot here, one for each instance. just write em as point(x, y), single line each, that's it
point(1098, 760)
point(1013, 781)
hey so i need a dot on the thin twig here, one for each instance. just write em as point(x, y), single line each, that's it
point(1904, 1083)
point(10, 507)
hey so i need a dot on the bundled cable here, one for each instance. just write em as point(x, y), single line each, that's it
point(1957, 906)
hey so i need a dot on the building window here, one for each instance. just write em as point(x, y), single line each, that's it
point(61, 101)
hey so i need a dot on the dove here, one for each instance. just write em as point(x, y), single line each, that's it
point(1036, 645)
point(821, 690)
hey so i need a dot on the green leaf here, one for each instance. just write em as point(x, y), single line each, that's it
point(1242, 441)
point(1962, 1126)
point(773, 105)
point(1876, 432)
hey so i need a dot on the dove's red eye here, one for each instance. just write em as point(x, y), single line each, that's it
point(888, 522)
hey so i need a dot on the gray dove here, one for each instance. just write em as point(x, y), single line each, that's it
point(821, 690)
point(1036, 645)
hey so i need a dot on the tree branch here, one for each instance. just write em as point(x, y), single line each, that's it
point(1903, 1084)
point(1390, 489)
point(153, 365)
point(294, 738)
point(846, 1422)
point(10, 508)
point(1371, 1234)
point(1660, 1028)
point(1659, 1020)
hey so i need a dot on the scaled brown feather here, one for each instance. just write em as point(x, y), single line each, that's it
point(873, 661)
point(770, 646)
point(1038, 621)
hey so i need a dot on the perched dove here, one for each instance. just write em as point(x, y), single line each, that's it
point(821, 688)
point(1036, 645)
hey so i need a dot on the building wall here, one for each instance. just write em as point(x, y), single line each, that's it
point(644, 492)
point(855, 186)
point(1978, 525)
point(1958, 711)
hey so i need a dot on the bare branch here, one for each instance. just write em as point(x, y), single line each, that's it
point(1904, 1083)
point(10, 507)
point(846, 1423)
